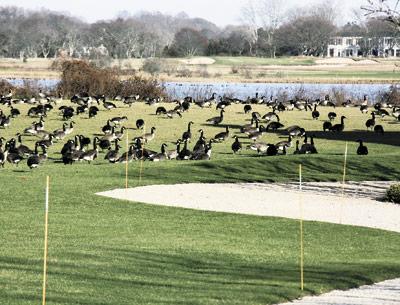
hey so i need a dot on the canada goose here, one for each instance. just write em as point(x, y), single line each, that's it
point(46, 143)
point(271, 150)
point(120, 134)
point(260, 147)
point(103, 143)
point(217, 120)
point(60, 134)
point(379, 129)
point(22, 149)
point(364, 109)
point(150, 135)
point(111, 136)
point(6, 121)
point(109, 105)
point(280, 145)
point(308, 148)
point(34, 160)
point(201, 142)
point(382, 113)
point(14, 112)
point(119, 120)
point(222, 136)
point(83, 142)
point(370, 122)
point(256, 115)
point(256, 134)
point(129, 155)
point(187, 135)
point(315, 113)
point(68, 147)
point(107, 129)
point(206, 155)
point(90, 155)
point(173, 154)
point(362, 150)
point(161, 156)
point(93, 111)
point(70, 129)
point(223, 104)
point(274, 126)
point(161, 110)
point(140, 124)
point(396, 112)
point(113, 154)
point(185, 153)
point(12, 157)
point(249, 127)
point(236, 146)
point(143, 153)
point(339, 127)
point(271, 116)
point(173, 113)
point(296, 131)
point(326, 126)
point(247, 108)
point(331, 116)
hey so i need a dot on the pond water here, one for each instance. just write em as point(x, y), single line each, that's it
point(243, 90)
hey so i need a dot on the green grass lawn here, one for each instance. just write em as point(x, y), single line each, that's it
point(262, 61)
point(106, 251)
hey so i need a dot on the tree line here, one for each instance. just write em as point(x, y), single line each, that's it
point(266, 30)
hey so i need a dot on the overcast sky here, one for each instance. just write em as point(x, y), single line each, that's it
point(221, 12)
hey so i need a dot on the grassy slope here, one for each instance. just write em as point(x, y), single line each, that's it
point(105, 251)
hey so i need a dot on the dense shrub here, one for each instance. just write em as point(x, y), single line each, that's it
point(81, 76)
point(28, 89)
point(393, 193)
point(392, 96)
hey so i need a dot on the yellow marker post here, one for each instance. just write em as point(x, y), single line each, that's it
point(141, 161)
point(301, 233)
point(126, 159)
point(46, 221)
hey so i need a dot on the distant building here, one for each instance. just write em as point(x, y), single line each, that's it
point(359, 46)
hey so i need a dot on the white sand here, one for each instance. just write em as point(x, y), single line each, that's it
point(320, 202)
point(356, 205)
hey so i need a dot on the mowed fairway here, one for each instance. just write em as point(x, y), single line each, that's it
point(105, 251)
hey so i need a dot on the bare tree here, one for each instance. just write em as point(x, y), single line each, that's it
point(384, 10)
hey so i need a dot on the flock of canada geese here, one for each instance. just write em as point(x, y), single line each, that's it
point(86, 148)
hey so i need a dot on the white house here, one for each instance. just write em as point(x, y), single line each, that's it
point(353, 47)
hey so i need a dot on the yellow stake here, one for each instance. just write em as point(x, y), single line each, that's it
point(141, 161)
point(45, 240)
point(301, 233)
point(126, 165)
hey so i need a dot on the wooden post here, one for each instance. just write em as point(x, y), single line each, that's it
point(301, 233)
point(126, 165)
point(46, 221)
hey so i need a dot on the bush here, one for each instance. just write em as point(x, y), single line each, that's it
point(184, 73)
point(392, 96)
point(393, 193)
point(28, 89)
point(82, 77)
point(152, 66)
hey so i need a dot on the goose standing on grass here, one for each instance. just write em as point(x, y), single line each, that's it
point(332, 116)
point(274, 126)
point(90, 155)
point(140, 124)
point(147, 137)
point(256, 134)
point(185, 153)
point(161, 110)
point(119, 120)
point(364, 109)
point(14, 112)
point(107, 129)
point(339, 127)
point(284, 144)
point(296, 131)
point(187, 135)
point(12, 157)
point(326, 126)
point(297, 150)
point(113, 154)
point(315, 113)
point(3, 156)
point(23, 150)
point(271, 150)
point(109, 105)
point(34, 160)
point(247, 108)
point(173, 154)
point(69, 129)
point(160, 156)
point(370, 122)
point(259, 147)
point(236, 146)
point(217, 120)
point(222, 136)
point(362, 150)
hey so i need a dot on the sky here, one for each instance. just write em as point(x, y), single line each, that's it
point(220, 12)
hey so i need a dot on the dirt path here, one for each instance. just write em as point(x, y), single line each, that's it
point(357, 204)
